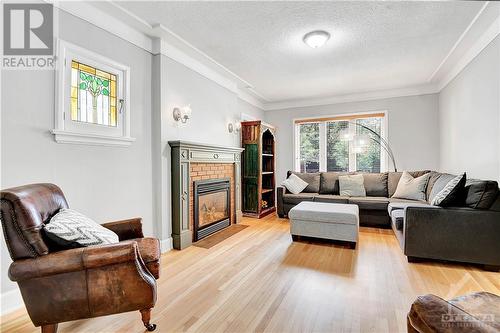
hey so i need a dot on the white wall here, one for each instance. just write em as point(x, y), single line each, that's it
point(469, 117)
point(102, 182)
point(213, 107)
point(412, 129)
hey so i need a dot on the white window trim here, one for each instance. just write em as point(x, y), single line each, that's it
point(384, 158)
point(89, 134)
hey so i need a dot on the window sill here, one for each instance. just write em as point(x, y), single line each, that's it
point(91, 139)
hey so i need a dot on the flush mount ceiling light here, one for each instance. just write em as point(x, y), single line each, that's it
point(316, 38)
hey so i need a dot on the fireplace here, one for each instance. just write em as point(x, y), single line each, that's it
point(212, 206)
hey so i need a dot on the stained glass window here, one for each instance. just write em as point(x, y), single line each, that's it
point(93, 95)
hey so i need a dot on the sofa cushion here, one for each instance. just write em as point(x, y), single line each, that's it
point(376, 184)
point(451, 193)
point(393, 179)
point(433, 177)
point(329, 182)
point(481, 194)
point(396, 205)
point(331, 198)
point(352, 185)
point(373, 203)
point(290, 198)
point(397, 217)
point(410, 187)
point(312, 179)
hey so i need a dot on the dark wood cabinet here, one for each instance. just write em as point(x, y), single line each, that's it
point(258, 168)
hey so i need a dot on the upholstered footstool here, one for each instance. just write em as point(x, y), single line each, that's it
point(331, 221)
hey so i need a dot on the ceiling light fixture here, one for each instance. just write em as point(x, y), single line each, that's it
point(316, 38)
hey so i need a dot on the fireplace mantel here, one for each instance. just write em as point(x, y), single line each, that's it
point(183, 154)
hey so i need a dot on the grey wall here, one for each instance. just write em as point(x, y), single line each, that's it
point(102, 182)
point(469, 112)
point(412, 129)
point(213, 107)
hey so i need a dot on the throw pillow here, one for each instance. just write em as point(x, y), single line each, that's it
point(411, 188)
point(481, 194)
point(294, 184)
point(450, 194)
point(376, 184)
point(311, 178)
point(70, 229)
point(352, 185)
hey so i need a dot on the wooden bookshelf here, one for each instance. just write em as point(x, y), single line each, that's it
point(258, 177)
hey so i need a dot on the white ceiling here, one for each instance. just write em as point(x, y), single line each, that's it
point(374, 45)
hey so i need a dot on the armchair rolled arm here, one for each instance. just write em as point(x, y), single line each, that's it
point(73, 260)
point(126, 229)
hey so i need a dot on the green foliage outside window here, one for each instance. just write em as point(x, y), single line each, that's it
point(309, 147)
point(337, 150)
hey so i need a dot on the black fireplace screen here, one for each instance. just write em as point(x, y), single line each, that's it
point(212, 206)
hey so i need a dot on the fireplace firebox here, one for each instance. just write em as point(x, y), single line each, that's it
point(212, 206)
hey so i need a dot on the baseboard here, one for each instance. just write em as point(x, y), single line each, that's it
point(11, 301)
point(166, 245)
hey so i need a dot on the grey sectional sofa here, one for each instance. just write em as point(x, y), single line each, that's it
point(467, 233)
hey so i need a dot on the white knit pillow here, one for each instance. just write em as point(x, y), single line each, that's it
point(294, 184)
point(70, 229)
point(411, 188)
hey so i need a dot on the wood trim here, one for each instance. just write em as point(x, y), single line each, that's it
point(351, 117)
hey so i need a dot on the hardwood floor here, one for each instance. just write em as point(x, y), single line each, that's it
point(258, 280)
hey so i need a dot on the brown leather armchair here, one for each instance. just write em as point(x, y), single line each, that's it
point(59, 286)
point(473, 313)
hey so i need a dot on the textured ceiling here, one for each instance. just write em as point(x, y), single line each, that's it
point(374, 45)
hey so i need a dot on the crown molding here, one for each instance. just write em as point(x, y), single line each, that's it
point(250, 99)
point(162, 47)
point(355, 97)
point(157, 39)
point(172, 40)
point(487, 37)
point(91, 14)
point(481, 31)
point(457, 42)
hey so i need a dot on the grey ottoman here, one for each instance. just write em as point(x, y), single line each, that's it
point(325, 220)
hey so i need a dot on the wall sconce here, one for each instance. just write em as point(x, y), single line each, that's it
point(236, 127)
point(182, 114)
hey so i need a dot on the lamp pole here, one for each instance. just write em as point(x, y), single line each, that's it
point(380, 140)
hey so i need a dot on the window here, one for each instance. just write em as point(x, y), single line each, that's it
point(92, 98)
point(93, 95)
point(342, 144)
point(309, 147)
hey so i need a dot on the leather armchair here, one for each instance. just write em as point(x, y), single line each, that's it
point(472, 313)
point(59, 286)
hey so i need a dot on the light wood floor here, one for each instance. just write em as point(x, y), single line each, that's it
point(260, 281)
